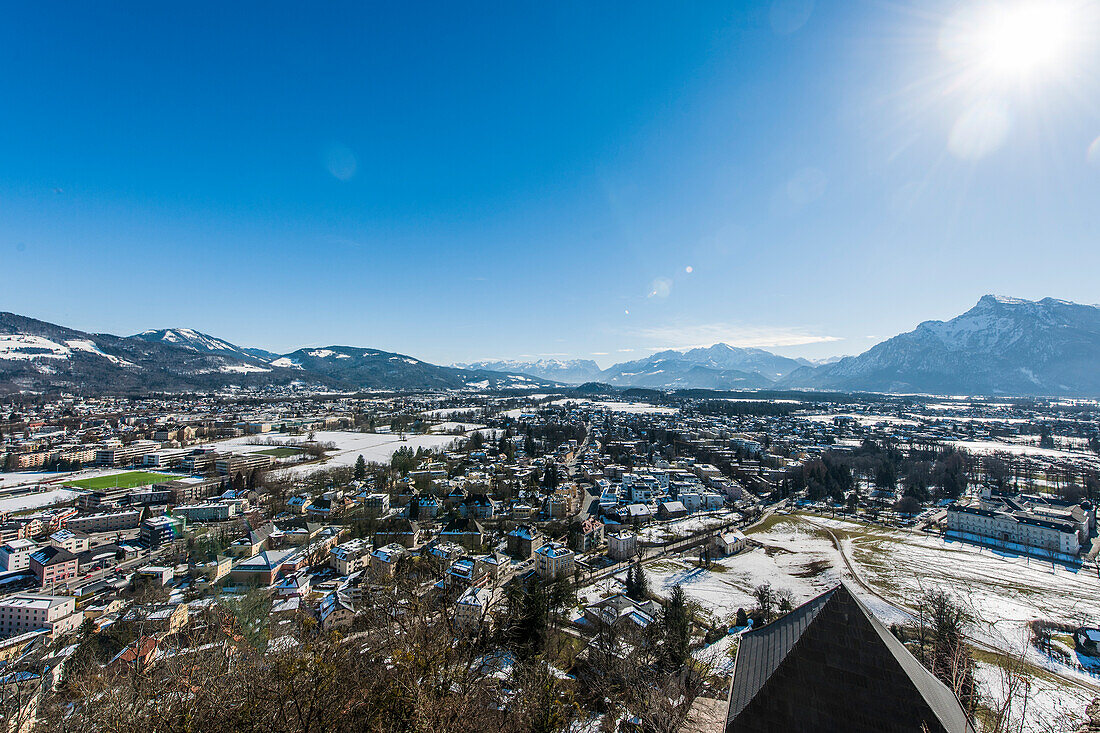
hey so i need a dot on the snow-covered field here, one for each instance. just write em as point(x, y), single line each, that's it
point(864, 420)
point(987, 447)
point(1002, 592)
point(664, 531)
point(37, 500)
point(634, 407)
point(792, 558)
point(374, 447)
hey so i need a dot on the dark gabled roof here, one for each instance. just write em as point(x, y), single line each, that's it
point(51, 555)
point(831, 665)
point(761, 651)
point(463, 525)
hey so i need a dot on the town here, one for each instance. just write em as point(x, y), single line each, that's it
point(627, 540)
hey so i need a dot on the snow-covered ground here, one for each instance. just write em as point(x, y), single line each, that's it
point(864, 420)
point(994, 446)
point(37, 500)
point(451, 425)
point(374, 447)
point(1002, 592)
point(792, 559)
point(664, 531)
point(634, 407)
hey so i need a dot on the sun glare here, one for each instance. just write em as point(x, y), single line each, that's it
point(1014, 41)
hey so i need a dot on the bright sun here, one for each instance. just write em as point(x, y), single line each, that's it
point(1012, 41)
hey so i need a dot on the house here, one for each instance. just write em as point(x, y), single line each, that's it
point(404, 532)
point(671, 510)
point(165, 618)
point(350, 556)
point(622, 544)
point(375, 505)
point(479, 506)
point(619, 610)
point(471, 609)
point(52, 565)
point(523, 541)
point(830, 665)
point(465, 531)
point(383, 561)
point(553, 560)
point(728, 543)
point(335, 612)
point(298, 584)
point(588, 536)
point(138, 654)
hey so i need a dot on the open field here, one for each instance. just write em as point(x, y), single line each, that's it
point(127, 480)
point(1003, 592)
point(374, 447)
point(279, 452)
point(38, 500)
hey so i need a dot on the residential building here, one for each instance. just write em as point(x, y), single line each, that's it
point(622, 544)
point(23, 613)
point(16, 554)
point(523, 541)
point(155, 531)
point(53, 565)
point(471, 608)
point(553, 559)
point(104, 521)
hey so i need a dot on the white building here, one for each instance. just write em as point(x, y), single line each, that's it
point(16, 555)
point(622, 545)
point(553, 559)
point(472, 607)
point(730, 542)
point(1012, 525)
point(350, 556)
point(22, 613)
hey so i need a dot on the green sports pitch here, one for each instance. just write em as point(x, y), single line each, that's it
point(127, 480)
point(280, 452)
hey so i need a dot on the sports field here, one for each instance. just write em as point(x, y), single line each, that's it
point(127, 480)
point(280, 452)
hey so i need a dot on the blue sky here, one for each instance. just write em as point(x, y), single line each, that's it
point(462, 181)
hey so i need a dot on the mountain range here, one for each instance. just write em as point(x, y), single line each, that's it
point(1002, 345)
point(37, 356)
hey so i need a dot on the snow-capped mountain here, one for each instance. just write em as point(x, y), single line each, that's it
point(187, 338)
point(569, 371)
point(1000, 346)
point(724, 356)
point(374, 369)
point(38, 356)
point(720, 366)
point(670, 370)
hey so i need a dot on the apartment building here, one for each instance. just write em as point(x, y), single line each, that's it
point(22, 613)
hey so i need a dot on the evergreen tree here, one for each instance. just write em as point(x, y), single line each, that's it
point(360, 468)
point(676, 626)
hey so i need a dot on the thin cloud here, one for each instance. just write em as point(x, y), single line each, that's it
point(690, 336)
